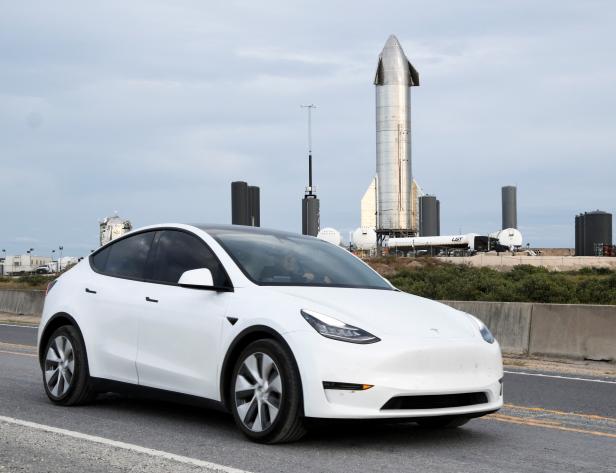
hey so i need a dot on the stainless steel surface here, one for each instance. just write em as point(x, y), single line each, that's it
point(510, 207)
point(59, 366)
point(258, 392)
point(394, 77)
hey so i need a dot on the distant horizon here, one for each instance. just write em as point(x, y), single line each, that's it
point(153, 109)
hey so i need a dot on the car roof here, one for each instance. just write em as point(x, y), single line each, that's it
point(216, 229)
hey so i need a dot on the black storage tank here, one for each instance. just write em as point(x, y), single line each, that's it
point(510, 207)
point(429, 213)
point(597, 229)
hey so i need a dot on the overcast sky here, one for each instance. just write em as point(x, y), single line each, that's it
point(152, 108)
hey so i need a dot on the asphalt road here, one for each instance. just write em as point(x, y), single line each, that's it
point(548, 424)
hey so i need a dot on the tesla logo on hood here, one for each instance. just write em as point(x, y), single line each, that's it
point(435, 330)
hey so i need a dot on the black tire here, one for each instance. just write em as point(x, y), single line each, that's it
point(288, 425)
point(80, 389)
point(443, 422)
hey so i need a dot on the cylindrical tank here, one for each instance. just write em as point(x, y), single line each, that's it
point(579, 233)
point(429, 210)
point(438, 217)
point(330, 235)
point(364, 239)
point(310, 216)
point(510, 207)
point(597, 229)
point(510, 237)
point(393, 79)
point(254, 200)
point(239, 203)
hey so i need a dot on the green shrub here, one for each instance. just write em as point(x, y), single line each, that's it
point(524, 283)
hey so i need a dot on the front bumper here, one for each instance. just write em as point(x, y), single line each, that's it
point(395, 366)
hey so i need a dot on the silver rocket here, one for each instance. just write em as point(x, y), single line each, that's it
point(394, 77)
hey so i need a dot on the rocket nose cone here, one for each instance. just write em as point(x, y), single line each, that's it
point(392, 43)
point(394, 67)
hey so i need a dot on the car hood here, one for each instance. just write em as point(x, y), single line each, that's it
point(385, 312)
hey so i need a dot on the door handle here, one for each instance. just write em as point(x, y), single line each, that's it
point(90, 291)
point(149, 299)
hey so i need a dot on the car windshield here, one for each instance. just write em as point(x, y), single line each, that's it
point(285, 259)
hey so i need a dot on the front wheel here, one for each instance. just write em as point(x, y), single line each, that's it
point(266, 398)
point(65, 368)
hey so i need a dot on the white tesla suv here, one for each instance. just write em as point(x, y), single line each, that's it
point(272, 326)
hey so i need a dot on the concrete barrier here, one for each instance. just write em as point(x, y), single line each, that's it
point(509, 322)
point(555, 330)
point(19, 301)
point(575, 331)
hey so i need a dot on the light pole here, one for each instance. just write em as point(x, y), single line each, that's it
point(52, 255)
point(30, 259)
point(3, 261)
point(60, 260)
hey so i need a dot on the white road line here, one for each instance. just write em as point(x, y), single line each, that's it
point(16, 325)
point(125, 446)
point(561, 377)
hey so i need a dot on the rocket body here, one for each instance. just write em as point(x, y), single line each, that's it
point(394, 77)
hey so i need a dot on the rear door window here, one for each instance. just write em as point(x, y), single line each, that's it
point(177, 252)
point(125, 258)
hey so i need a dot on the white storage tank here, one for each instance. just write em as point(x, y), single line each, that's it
point(330, 235)
point(509, 237)
point(364, 239)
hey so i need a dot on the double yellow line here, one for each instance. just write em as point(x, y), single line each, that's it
point(11, 349)
point(555, 422)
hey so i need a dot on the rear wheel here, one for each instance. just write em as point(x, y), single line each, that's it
point(65, 368)
point(266, 394)
point(443, 422)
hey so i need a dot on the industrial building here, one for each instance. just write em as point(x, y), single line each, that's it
point(245, 204)
point(111, 228)
point(593, 234)
point(23, 264)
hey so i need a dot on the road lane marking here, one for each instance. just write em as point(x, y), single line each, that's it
point(17, 325)
point(125, 446)
point(18, 353)
point(561, 413)
point(546, 425)
point(17, 345)
point(542, 375)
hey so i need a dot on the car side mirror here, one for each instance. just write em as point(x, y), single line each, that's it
point(198, 278)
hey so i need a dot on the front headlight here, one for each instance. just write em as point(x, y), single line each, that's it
point(486, 334)
point(483, 330)
point(337, 330)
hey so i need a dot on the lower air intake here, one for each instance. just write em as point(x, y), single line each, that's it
point(438, 401)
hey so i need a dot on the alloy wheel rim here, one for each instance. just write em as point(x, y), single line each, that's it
point(59, 366)
point(258, 392)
